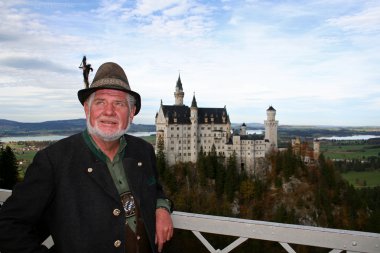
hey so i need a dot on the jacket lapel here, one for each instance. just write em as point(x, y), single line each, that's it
point(134, 174)
point(101, 176)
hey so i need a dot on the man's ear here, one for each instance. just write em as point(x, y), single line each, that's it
point(132, 114)
point(86, 108)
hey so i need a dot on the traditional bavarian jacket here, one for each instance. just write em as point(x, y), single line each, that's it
point(68, 193)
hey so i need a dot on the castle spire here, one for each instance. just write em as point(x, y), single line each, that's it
point(179, 94)
point(179, 83)
point(194, 102)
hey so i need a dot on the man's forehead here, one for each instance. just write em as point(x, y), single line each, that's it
point(110, 92)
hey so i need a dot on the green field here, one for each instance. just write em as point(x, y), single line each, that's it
point(27, 156)
point(363, 179)
point(349, 151)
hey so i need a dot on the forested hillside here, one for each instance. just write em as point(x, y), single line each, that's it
point(284, 190)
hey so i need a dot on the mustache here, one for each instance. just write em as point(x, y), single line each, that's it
point(109, 119)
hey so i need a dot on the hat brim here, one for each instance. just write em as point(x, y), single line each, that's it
point(85, 93)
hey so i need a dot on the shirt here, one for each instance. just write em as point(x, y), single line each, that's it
point(117, 172)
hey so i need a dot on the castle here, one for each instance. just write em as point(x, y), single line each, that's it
point(185, 130)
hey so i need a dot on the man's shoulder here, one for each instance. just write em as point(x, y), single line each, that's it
point(73, 140)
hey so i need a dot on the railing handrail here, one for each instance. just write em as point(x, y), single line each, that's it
point(4, 194)
point(336, 239)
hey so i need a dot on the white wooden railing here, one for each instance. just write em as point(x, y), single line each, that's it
point(335, 239)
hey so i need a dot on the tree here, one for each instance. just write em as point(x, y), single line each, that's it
point(160, 157)
point(201, 166)
point(8, 169)
point(231, 181)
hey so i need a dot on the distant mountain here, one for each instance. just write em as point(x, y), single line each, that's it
point(61, 127)
point(68, 127)
point(249, 125)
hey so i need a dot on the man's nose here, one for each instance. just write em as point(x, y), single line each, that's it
point(109, 109)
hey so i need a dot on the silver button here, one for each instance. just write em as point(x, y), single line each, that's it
point(117, 243)
point(139, 164)
point(89, 170)
point(138, 237)
point(116, 212)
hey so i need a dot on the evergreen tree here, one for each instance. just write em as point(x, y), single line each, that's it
point(231, 181)
point(212, 163)
point(160, 157)
point(8, 169)
point(201, 166)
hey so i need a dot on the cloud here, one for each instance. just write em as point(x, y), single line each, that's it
point(367, 21)
point(31, 64)
point(318, 57)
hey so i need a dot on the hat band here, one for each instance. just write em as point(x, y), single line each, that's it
point(110, 81)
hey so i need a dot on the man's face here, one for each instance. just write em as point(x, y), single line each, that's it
point(108, 115)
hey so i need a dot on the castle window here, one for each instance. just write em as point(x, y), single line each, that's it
point(172, 128)
point(177, 128)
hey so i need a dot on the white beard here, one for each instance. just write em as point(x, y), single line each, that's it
point(94, 130)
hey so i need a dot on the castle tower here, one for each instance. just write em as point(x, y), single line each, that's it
point(194, 129)
point(316, 149)
point(179, 94)
point(243, 129)
point(271, 125)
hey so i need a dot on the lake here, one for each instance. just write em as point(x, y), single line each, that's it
point(55, 137)
point(350, 138)
point(256, 131)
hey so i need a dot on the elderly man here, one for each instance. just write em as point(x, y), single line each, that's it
point(95, 191)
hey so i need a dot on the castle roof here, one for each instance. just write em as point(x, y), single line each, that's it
point(271, 108)
point(217, 114)
point(179, 112)
point(205, 115)
point(194, 102)
point(179, 83)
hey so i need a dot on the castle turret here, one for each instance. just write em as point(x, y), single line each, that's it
point(316, 149)
point(179, 94)
point(243, 129)
point(271, 125)
point(194, 129)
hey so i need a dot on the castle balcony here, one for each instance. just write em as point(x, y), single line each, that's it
point(286, 235)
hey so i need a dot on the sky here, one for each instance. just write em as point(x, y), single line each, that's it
point(316, 62)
